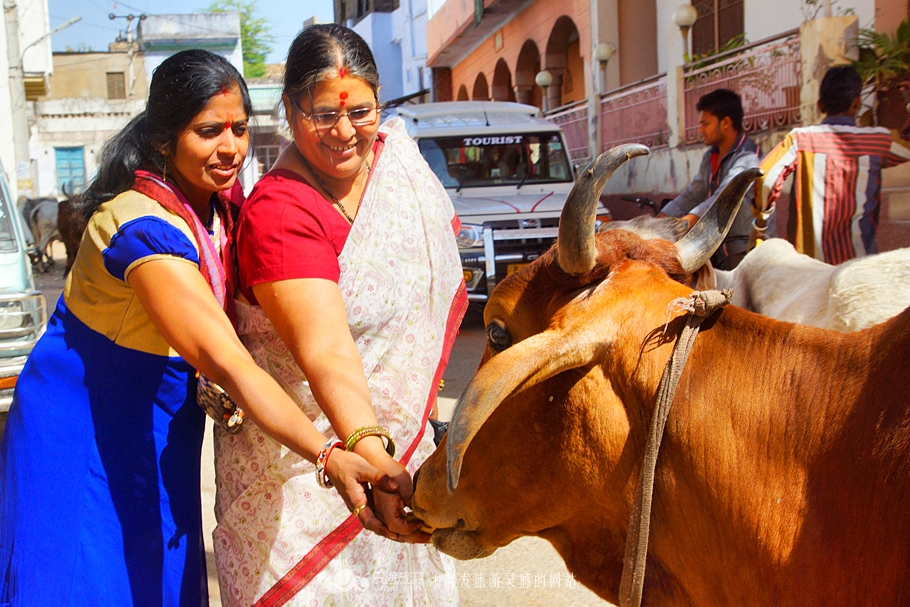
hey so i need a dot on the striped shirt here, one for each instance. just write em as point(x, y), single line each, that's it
point(838, 185)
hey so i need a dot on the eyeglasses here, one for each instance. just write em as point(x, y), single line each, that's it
point(324, 121)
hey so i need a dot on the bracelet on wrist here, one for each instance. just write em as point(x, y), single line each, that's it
point(322, 459)
point(365, 431)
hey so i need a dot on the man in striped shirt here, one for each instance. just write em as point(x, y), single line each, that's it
point(837, 194)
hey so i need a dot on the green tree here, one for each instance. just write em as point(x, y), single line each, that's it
point(254, 34)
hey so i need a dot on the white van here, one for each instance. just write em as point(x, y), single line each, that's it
point(508, 173)
point(23, 314)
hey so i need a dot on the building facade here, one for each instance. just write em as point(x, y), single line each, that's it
point(773, 52)
point(37, 66)
point(395, 30)
point(92, 96)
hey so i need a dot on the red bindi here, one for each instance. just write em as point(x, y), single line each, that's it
point(227, 125)
point(343, 95)
point(341, 103)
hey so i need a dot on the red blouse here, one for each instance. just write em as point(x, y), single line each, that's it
point(287, 229)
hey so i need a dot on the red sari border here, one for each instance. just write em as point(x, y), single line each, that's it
point(335, 542)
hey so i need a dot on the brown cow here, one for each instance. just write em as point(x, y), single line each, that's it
point(71, 225)
point(784, 474)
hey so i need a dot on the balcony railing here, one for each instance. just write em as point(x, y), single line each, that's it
point(635, 114)
point(573, 119)
point(767, 76)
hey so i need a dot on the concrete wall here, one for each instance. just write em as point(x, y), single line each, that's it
point(152, 59)
point(376, 30)
point(83, 74)
point(7, 147)
point(637, 40)
point(33, 23)
point(409, 29)
point(86, 122)
point(160, 36)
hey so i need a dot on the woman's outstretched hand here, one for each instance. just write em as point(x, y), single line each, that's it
point(350, 474)
point(389, 504)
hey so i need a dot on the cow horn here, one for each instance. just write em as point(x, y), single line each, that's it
point(697, 247)
point(522, 366)
point(576, 250)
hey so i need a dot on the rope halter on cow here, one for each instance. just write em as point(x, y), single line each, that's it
point(698, 306)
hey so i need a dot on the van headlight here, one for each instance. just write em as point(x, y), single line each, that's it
point(470, 236)
point(22, 315)
point(11, 315)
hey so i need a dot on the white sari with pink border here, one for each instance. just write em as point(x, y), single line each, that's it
point(280, 538)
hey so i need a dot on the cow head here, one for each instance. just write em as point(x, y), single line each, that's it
point(546, 440)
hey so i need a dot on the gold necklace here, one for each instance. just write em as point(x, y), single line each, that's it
point(326, 188)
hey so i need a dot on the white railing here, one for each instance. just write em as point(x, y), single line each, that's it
point(573, 120)
point(635, 114)
point(766, 74)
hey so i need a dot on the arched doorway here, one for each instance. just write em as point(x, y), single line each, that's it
point(502, 82)
point(528, 66)
point(463, 93)
point(565, 64)
point(481, 90)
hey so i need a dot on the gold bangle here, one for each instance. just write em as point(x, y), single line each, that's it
point(364, 431)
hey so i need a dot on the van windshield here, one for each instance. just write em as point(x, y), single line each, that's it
point(7, 236)
point(497, 160)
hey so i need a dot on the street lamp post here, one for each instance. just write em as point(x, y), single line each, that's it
point(603, 52)
point(684, 17)
point(544, 79)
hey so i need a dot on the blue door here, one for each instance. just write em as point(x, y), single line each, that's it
point(70, 169)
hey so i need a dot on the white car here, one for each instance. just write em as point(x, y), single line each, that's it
point(508, 173)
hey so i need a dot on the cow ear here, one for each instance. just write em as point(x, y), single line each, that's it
point(703, 279)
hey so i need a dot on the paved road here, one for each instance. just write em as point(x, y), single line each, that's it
point(527, 573)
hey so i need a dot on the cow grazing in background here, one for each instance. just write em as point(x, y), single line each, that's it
point(775, 280)
point(784, 473)
point(41, 218)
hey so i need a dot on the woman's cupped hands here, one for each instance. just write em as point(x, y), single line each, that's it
point(377, 494)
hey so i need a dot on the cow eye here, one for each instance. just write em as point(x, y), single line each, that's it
point(498, 336)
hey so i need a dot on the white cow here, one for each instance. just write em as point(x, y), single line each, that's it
point(776, 281)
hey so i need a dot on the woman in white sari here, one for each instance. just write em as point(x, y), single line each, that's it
point(350, 297)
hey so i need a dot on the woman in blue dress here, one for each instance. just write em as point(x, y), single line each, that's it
point(100, 495)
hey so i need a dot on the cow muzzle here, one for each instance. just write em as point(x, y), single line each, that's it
point(459, 544)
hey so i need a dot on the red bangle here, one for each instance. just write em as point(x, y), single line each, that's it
point(322, 459)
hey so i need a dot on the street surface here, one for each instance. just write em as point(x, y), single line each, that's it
point(527, 573)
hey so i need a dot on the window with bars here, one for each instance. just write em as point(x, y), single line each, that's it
point(719, 21)
point(116, 85)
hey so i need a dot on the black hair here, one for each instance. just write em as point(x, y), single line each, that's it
point(723, 103)
point(839, 89)
point(181, 88)
point(322, 50)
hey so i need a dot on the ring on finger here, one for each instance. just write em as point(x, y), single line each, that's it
point(356, 511)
